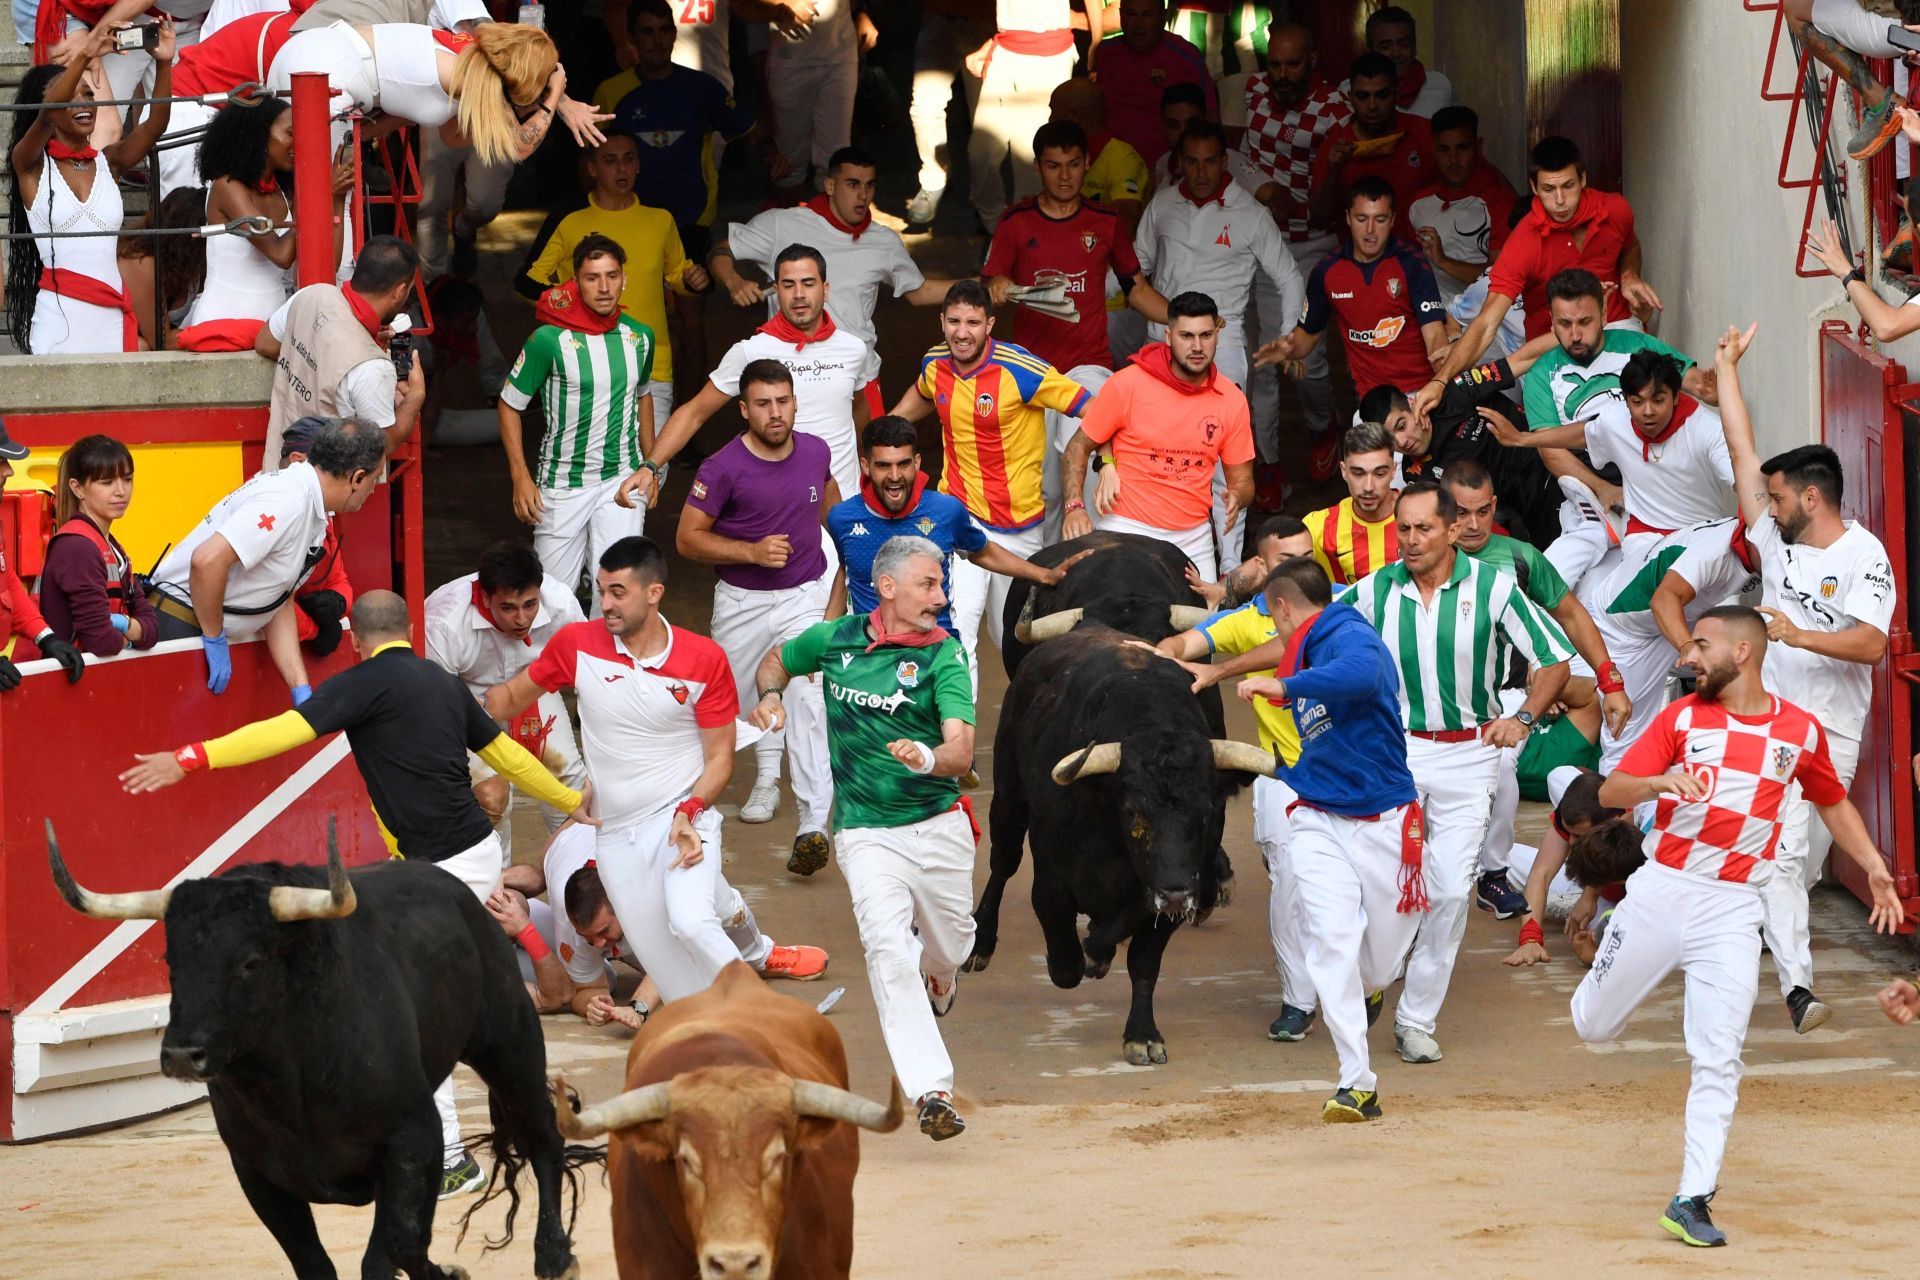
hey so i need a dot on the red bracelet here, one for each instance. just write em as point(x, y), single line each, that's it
point(1077, 504)
point(191, 757)
point(532, 943)
point(1609, 680)
point(1532, 932)
point(692, 807)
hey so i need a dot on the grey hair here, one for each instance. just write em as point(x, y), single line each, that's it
point(895, 552)
point(343, 446)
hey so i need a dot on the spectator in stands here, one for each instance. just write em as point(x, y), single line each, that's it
point(1136, 66)
point(1570, 225)
point(19, 615)
point(1887, 322)
point(1842, 34)
point(949, 30)
point(1030, 54)
point(65, 296)
point(1463, 215)
point(246, 150)
point(161, 275)
point(329, 345)
point(655, 261)
point(812, 71)
point(1381, 141)
point(1422, 91)
point(87, 589)
point(234, 574)
point(327, 594)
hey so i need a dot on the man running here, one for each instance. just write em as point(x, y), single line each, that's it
point(900, 728)
point(1357, 535)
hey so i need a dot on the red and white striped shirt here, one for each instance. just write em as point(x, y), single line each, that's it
point(1746, 763)
point(1282, 140)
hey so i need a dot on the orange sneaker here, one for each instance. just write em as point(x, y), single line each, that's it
point(801, 964)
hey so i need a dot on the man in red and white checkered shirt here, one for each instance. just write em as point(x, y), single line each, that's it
point(1716, 765)
point(1290, 110)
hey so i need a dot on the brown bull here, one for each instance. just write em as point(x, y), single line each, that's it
point(733, 1150)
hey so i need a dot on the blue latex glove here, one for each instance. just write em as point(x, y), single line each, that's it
point(119, 621)
point(301, 692)
point(219, 662)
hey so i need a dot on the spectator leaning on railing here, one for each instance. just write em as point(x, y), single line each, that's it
point(19, 616)
point(87, 590)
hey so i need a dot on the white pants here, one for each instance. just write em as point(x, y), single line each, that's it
point(1060, 429)
point(977, 592)
point(912, 890)
point(813, 110)
point(1456, 783)
point(1504, 809)
point(562, 758)
point(736, 917)
point(1584, 539)
point(440, 166)
point(1644, 662)
point(1014, 103)
point(1262, 386)
point(671, 917)
point(1347, 886)
point(1270, 828)
point(478, 868)
point(1197, 542)
point(1520, 860)
point(579, 524)
point(1797, 863)
point(938, 52)
point(1710, 931)
point(748, 625)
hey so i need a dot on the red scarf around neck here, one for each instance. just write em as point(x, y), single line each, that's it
point(824, 207)
point(1412, 80)
point(268, 185)
point(1681, 412)
point(481, 607)
point(786, 331)
point(61, 151)
point(561, 306)
point(872, 498)
point(362, 311)
point(902, 639)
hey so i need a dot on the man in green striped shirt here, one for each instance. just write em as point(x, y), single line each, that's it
point(589, 363)
point(1452, 624)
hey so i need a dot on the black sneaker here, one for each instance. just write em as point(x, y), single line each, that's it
point(1291, 1025)
point(1495, 892)
point(1807, 1010)
point(938, 1119)
point(1351, 1106)
point(461, 1178)
point(809, 853)
point(1687, 1218)
point(465, 258)
point(1375, 1003)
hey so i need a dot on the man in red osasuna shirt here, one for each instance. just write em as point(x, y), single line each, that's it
point(1379, 141)
point(1381, 292)
point(1570, 225)
point(19, 615)
point(1717, 765)
point(1134, 66)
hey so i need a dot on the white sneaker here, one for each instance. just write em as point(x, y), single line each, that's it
point(1588, 504)
point(762, 802)
point(1415, 1046)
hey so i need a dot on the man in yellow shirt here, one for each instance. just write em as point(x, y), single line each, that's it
point(1357, 535)
point(656, 259)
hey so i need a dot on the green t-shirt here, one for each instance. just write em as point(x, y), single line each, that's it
point(1558, 390)
point(1539, 581)
point(590, 385)
point(894, 692)
point(1550, 745)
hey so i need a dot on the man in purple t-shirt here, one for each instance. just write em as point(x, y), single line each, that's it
point(754, 514)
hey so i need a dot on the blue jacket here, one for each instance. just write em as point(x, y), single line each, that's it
point(1345, 695)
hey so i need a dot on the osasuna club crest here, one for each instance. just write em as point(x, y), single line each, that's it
point(1393, 288)
point(1088, 240)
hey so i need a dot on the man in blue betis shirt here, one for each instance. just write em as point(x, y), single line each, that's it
point(895, 501)
point(1357, 830)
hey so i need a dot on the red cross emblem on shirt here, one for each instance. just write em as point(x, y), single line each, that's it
point(266, 522)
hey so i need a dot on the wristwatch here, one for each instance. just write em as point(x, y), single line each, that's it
point(1851, 276)
point(1524, 718)
point(1099, 463)
point(659, 469)
point(642, 1008)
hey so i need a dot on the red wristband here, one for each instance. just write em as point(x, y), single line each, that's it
point(1076, 504)
point(1609, 680)
point(692, 807)
point(532, 943)
point(192, 756)
point(1532, 932)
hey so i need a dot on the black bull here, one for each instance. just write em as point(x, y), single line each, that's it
point(321, 1008)
point(1105, 763)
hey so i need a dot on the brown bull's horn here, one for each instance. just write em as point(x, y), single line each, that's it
point(288, 903)
point(1185, 617)
point(623, 1111)
point(150, 905)
point(1101, 757)
point(811, 1098)
point(1228, 754)
point(1048, 626)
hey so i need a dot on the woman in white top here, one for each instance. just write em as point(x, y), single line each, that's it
point(64, 295)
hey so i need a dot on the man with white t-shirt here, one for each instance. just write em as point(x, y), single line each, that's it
point(831, 367)
point(1828, 597)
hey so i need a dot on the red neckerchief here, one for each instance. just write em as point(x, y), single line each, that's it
point(1219, 197)
point(61, 151)
point(268, 185)
point(561, 307)
point(1743, 550)
point(1411, 82)
point(1681, 412)
point(481, 607)
point(872, 498)
point(1156, 359)
point(1289, 664)
point(787, 331)
point(453, 42)
point(824, 207)
point(903, 639)
point(1588, 210)
point(362, 311)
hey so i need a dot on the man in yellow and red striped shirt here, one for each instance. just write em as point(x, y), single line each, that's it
point(991, 399)
point(1357, 535)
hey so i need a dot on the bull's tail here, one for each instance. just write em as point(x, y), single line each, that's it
point(509, 1162)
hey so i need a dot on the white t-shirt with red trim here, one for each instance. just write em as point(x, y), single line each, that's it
point(857, 263)
point(640, 719)
point(571, 850)
point(1672, 483)
point(1746, 762)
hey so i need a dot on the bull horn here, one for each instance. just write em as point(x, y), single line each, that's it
point(1099, 757)
point(811, 1098)
point(1228, 754)
point(149, 905)
point(288, 903)
point(1185, 617)
point(1048, 626)
point(622, 1111)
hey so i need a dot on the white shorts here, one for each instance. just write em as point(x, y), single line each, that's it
point(1197, 542)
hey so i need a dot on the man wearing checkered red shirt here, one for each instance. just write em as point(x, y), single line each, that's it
point(1717, 766)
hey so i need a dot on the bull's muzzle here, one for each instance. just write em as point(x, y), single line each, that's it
point(286, 902)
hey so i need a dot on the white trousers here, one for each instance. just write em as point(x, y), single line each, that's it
point(1270, 829)
point(977, 592)
point(1710, 931)
point(912, 890)
point(1014, 103)
point(440, 167)
point(1456, 784)
point(478, 868)
point(579, 524)
point(671, 917)
point(1797, 863)
point(1197, 541)
point(1644, 662)
point(1504, 809)
point(1060, 429)
point(748, 625)
point(562, 758)
point(813, 110)
point(938, 54)
point(1347, 886)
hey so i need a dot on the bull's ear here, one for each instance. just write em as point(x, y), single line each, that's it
point(649, 1141)
point(811, 1132)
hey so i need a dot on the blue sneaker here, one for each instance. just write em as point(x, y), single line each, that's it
point(1495, 892)
point(1292, 1024)
point(1687, 1218)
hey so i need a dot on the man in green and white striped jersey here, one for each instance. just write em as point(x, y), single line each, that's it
point(589, 363)
point(1452, 623)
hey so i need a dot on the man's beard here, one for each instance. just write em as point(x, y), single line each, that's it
point(1710, 683)
point(1793, 525)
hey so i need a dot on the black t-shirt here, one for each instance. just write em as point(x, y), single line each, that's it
point(410, 724)
point(1527, 494)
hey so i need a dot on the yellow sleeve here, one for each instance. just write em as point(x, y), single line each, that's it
point(675, 256)
point(555, 262)
point(1128, 178)
point(1235, 633)
point(1060, 393)
point(607, 96)
point(260, 740)
point(515, 763)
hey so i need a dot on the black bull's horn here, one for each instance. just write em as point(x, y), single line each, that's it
point(1032, 630)
point(652, 1102)
point(286, 902)
point(1104, 757)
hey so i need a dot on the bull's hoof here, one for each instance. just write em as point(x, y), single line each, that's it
point(1224, 896)
point(1098, 968)
point(453, 1273)
point(1144, 1053)
point(571, 1273)
point(977, 962)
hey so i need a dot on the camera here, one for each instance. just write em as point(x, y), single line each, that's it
point(139, 35)
point(400, 347)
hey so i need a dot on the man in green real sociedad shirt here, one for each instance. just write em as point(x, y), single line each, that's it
point(899, 736)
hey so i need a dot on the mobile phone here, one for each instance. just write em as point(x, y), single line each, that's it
point(1901, 38)
point(533, 15)
point(139, 35)
point(401, 349)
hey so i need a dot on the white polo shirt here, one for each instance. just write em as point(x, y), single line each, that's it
point(1824, 589)
point(1682, 480)
point(1166, 173)
point(857, 263)
point(827, 374)
point(276, 523)
point(571, 850)
point(463, 640)
point(1215, 247)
